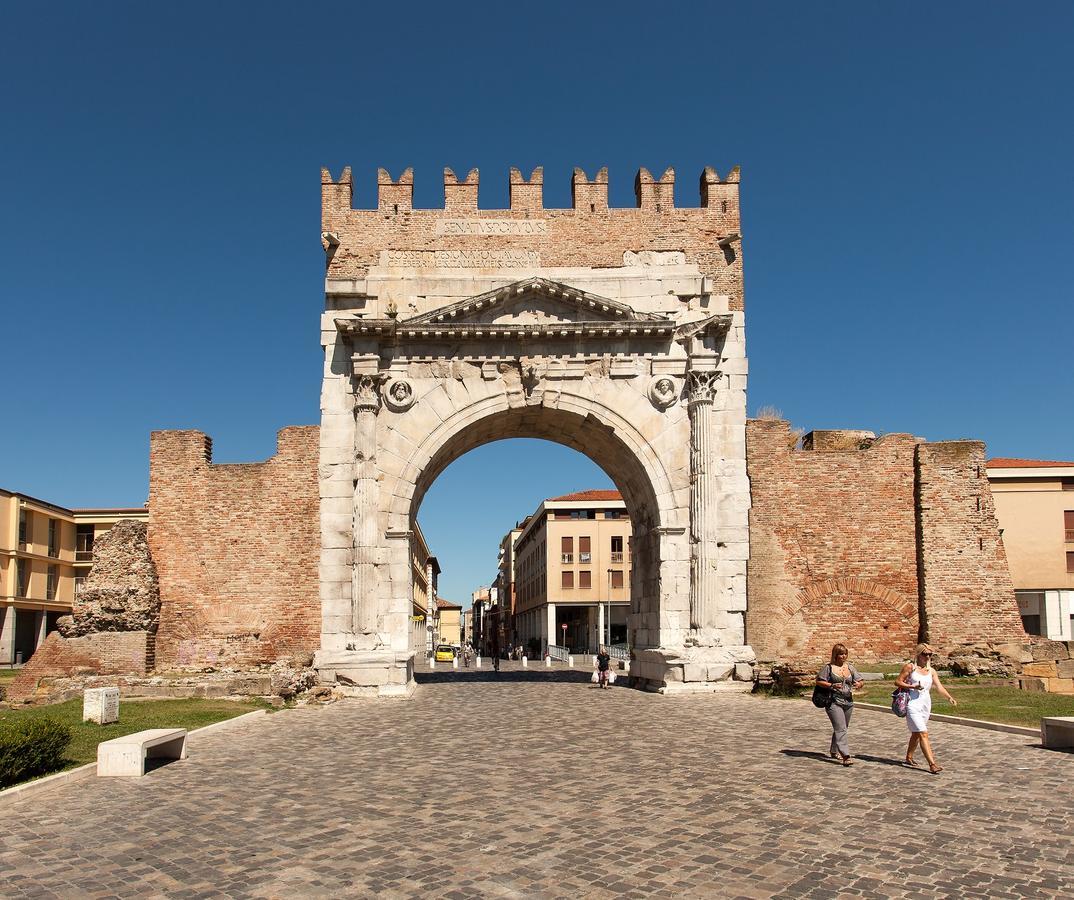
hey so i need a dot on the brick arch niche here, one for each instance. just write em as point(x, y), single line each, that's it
point(875, 622)
point(619, 333)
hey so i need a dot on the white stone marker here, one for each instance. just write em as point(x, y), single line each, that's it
point(525, 663)
point(570, 662)
point(479, 662)
point(101, 705)
point(455, 662)
point(548, 662)
point(432, 661)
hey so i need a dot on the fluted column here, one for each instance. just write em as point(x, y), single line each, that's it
point(366, 545)
point(703, 497)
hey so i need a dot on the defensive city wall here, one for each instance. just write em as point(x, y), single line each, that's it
point(620, 332)
point(876, 542)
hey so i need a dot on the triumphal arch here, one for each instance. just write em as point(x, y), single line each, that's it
point(617, 332)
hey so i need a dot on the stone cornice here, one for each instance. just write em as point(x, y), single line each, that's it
point(394, 330)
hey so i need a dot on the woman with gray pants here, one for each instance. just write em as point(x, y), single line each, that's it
point(842, 679)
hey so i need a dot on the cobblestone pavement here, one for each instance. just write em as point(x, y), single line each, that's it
point(541, 786)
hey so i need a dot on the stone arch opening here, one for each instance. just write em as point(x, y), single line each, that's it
point(637, 480)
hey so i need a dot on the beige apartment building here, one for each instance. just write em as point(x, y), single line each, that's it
point(1035, 507)
point(424, 618)
point(449, 622)
point(46, 551)
point(572, 573)
point(506, 598)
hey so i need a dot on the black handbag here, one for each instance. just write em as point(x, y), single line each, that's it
point(822, 696)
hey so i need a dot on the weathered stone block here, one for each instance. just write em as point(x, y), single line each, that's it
point(1041, 669)
point(101, 705)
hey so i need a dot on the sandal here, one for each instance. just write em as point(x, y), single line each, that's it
point(847, 761)
point(912, 763)
point(935, 770)
point(833, 755)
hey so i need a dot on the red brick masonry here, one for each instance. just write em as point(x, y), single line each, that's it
point(236, 549)
point(852, 540)
point(106, 653)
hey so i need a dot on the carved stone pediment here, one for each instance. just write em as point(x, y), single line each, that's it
point(531, 308)
point(533, 300)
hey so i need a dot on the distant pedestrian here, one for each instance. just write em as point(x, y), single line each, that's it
point(919, 678)
point(841, 679)
point(603, 665)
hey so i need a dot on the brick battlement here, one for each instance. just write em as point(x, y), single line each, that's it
point(527, 236)
point(656, 194)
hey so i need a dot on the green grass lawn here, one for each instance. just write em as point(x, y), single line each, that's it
point(8, 674)
point(982, 699)
point(134, 715)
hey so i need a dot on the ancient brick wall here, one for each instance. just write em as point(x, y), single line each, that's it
point(236, 549)
point(527, 235)
point(832, 547)
point(963, 566)
point(853, 538)
point(104, 653)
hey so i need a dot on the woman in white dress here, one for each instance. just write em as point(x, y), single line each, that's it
point(919, 678)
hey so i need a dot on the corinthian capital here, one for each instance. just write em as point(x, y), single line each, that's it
point(366, 393)
point(702, 385)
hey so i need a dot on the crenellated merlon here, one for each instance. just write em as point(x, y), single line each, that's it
point(527, 195)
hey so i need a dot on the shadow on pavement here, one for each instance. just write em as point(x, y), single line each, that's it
point(490, 675)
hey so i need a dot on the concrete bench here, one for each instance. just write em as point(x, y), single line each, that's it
point(126, 756)
point(1057, 732)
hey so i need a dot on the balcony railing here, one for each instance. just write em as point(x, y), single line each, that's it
point(1070, 535)
point(585, 557)
point(566, 558)
point(617, 556)
point(83, 556)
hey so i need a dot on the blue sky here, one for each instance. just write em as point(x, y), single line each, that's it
point(907, 211)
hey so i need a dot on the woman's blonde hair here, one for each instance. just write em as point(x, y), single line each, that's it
point(839, 648)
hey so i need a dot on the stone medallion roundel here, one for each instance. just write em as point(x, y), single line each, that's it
point(663, 391)
point(398, 395)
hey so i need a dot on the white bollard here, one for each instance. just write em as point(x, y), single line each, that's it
point(479, 662)
point(525, 662)
point(455, 663)
point(548, 662)
point(432, 662)
point(570, 662)
point(626, 665)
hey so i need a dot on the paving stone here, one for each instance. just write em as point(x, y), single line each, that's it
point(548, 787)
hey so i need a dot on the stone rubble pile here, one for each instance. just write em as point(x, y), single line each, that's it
point(121, 592)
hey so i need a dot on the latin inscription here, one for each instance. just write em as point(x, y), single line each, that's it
point(460, 259)
point(492, 226)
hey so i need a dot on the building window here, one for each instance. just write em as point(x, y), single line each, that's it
point(53, 542)
point(1070, 561)
point(20, 578)
point(84, 543)
point(583, 513)
point(567, 582)
point(1068, 525)
point(585, 550)
point(617, 548)
point(50, 584)
point(613, 513)
point(585, 579)
point(617, 578)
point(1068, 484)
point(566, 550)
point(24, 527)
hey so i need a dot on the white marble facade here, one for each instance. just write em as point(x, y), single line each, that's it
point(638, 367)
